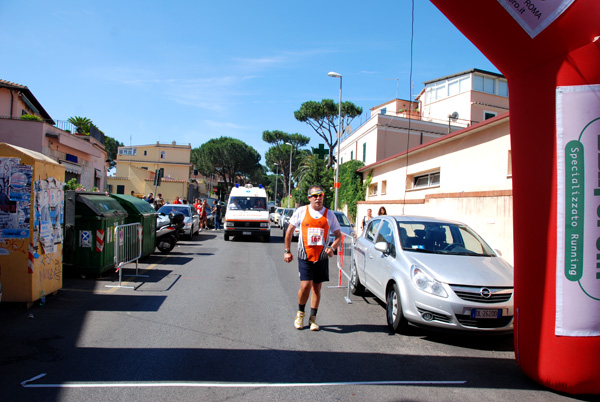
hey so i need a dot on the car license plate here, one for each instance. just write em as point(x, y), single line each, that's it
point(247, 233)
point(479, 313)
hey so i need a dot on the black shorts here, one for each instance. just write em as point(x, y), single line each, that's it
point(314, 271)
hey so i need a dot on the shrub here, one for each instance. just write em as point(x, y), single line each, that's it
point(30, 117)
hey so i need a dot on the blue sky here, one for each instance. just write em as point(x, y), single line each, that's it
point(190, 71)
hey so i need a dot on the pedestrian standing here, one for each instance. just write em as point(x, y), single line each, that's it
point(217, 214)
point(159, 201)
point(366, 219)
point(177, 200)
point(204, 215)
point(315, 222)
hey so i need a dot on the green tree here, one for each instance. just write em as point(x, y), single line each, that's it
point(229, 158)
point(82, 124)
point(352, 187)
point(323, 116)
point(278, 155)
point(313, 171)
point(112, 147)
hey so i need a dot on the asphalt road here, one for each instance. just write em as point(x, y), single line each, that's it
point(213, 321)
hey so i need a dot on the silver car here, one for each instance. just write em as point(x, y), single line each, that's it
point(191, 218)
point(434, 273)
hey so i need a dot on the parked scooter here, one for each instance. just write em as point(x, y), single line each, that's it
point(167, 231)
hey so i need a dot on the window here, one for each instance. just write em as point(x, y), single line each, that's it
point(489, 115)
point(383, 186)
point(120, 189)
point(364, 152)
point(427, 180)
point(495, 86)
point(128, 151)
point(162, 154)
point(386, 234)
point(372, 229)
point(145, 167)
point(351, 155)
point(145, 153)
point(509, 163)
point(384, 110)
point(373, 189)
point(503, 88)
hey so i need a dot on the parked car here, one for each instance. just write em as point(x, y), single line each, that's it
point(275, 215)
point(433, 272)
point(191, 220)
point(285, 218)
point(283, 214)
point(345, 226)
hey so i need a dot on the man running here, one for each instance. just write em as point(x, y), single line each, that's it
point(315, 222)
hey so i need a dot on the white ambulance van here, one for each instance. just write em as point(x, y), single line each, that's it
point(247, 213)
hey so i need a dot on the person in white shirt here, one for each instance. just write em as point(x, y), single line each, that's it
point(315, 222)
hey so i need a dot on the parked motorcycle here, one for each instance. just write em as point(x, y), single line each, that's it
point(167, 231)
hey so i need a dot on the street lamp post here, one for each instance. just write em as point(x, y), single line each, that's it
point(290, 176)
point(276, 176)
point(339, 132)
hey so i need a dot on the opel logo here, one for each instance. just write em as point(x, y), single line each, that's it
point(485, 293)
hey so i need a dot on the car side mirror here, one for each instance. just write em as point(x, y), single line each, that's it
point(498, 252)
point(382, 246)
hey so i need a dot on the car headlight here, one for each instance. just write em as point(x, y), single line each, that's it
point(264, 224)
point(425, 282)
point(229, 224)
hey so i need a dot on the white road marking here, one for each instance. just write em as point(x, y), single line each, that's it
point(117, 384)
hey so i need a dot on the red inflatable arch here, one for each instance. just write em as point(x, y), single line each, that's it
point(550, 53)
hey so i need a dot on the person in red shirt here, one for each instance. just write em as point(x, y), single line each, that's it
point(315, 222)
point(177, 200)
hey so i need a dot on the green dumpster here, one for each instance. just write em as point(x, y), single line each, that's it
point(140, 211)
point(90, 221)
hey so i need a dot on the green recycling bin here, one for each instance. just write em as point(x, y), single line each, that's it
point(90, 221)
point(140, 211)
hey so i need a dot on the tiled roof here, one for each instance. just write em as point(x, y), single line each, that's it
point(29, 95)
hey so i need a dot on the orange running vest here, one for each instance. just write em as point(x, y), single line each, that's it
point(314, 238)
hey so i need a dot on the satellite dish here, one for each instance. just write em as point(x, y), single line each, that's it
point(348, 129)
point(454, 116)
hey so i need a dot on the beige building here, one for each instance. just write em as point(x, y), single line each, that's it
point(445, 155)
point(443, 106)
point(464, 176)
point(136, 167)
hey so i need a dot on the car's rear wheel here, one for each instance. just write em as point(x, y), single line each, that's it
point(395, 319)
point(355, 286)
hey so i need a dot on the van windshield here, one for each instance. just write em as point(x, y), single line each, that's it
point(247, 203)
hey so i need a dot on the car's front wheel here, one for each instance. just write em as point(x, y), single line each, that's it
point(355, 286)
point(395, 319)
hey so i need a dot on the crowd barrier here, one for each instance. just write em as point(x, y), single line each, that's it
point(345, 255)
point(128, 248)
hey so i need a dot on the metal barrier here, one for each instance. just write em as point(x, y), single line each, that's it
point(344, 263)
point(128, 248)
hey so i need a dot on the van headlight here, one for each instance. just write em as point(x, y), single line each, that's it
point(264, 224)
point(425, 282)
point(229, 224)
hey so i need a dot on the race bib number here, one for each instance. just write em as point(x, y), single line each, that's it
point(315, 236)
